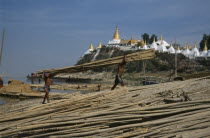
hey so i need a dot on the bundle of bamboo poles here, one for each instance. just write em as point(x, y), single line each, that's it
point(141, 55)
point(117, 113)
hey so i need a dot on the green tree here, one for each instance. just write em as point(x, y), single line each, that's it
point(206, 39)
point(152, 38)
point(145, 36)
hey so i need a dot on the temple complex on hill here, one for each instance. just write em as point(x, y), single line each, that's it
point(161, 46)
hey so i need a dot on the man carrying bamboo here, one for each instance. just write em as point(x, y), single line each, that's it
point(48, 82)
point(120, 71)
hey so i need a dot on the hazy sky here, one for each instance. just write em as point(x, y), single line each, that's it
point(43, 34)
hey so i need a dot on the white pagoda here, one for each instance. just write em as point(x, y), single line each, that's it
point(116, 39)
point(186, 52)
point(90, 50)
point(153, 45)
point(162, 42)
point(204, 53)
point(178, 50)
point(171, 49)
point(162, 47)
point(145, 46)
point(194, 52)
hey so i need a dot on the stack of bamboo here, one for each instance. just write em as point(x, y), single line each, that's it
point(196, 75)
point(120, 113)
point(141, 55)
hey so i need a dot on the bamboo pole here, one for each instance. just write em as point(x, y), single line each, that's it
point(111, 114)
point(141, 55)
point(2, 46)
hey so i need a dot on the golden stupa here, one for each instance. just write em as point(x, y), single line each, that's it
point(91, 47)
point(116, 34)
point(100, 46)
point(205, 47)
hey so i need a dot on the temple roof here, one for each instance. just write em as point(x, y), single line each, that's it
point(131, 41)
point(123, 41)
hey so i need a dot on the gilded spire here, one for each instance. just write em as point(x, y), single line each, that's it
point(132, 41)
point(188, 46)
point(145, 42)
point(205, 47)
point(178, 48)
point(99, 45)
point(116, 34)
point(161, 42)
point(91, 47)
point(161, 38)
point(153, 39)
point(195, 45)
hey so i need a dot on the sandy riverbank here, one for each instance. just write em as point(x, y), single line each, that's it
point(125, 112)
point(21, 90)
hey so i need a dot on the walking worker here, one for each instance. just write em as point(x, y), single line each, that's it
point(99, 87)
point(120, 71)
point(48, 82)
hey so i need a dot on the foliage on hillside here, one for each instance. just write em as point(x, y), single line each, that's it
point(206, 39)
point(162, 62)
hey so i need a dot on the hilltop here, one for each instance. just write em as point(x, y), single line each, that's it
point(164, 62)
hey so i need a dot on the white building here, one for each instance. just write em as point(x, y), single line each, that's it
point(205, 51)
point(90, 50)
point(116, 39)
point(194, 52)
point(178, 50)
point(145, 46)
point(186, 52)
point(162, 42)
point(171, 49)
point(153, 45)
point(162, 47)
